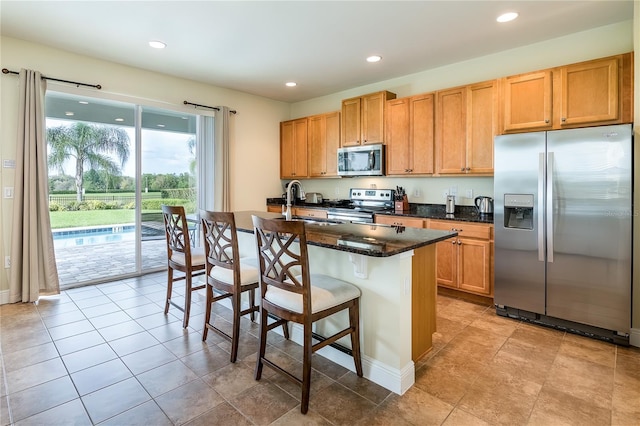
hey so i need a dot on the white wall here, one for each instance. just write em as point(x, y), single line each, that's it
point(255, 129)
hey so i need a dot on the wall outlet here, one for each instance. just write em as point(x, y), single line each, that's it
point(7, 262)
point(469, 193)
point(453, 190)
point(417, 193)
point(8, 192)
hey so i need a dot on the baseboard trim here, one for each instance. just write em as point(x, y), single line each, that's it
point(4, 297)
point(396, 380)
point(634, 337)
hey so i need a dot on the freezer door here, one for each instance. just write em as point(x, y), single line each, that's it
point(590, 225)
point(519, 253)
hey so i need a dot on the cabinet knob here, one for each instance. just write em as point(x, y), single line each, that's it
point(468, 168)
point(453, 242)
point(459, 242)
point(462, 169)
point(546, 121)
point(564, 119)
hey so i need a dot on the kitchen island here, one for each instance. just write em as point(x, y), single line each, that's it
point(394, 267)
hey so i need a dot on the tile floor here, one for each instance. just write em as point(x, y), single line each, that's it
point(107, 355)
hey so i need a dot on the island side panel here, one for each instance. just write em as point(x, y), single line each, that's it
point(423, 301)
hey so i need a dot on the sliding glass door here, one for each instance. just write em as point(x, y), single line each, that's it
point(112, 164)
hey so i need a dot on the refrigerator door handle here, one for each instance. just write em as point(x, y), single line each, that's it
point(550, 181)
point(541, 207)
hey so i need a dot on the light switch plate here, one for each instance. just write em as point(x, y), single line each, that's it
point(469, 193)
point(9, 164)
point(8, 192)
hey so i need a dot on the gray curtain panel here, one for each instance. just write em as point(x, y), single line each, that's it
point(33, 264)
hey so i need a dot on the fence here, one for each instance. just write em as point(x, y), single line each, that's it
point(124, 198)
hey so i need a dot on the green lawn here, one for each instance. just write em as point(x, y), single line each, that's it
point(73, 219)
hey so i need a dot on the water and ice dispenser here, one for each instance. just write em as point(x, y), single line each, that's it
point(518, 211)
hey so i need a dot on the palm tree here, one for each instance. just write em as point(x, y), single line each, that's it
point(90, 146)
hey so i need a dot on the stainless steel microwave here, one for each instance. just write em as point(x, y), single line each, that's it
point(366, 160)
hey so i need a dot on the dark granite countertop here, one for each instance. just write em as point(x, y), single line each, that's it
point(423, 211)
point(368, 239)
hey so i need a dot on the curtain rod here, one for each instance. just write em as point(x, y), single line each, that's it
point(232, 111)
point(96, 86)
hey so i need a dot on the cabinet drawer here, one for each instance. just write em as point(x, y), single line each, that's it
point(412, 222)
point(464, 229)
point(319, 214)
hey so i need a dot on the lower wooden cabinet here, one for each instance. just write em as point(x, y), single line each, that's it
point(412, 222)
point(466, 261)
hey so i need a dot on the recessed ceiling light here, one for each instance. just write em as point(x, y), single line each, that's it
point(83, 102)
point(68, 113)
point(161, 125)
point(506, 17)
point(119, 119)
point(291, 84)
point(374, 58)
point(157, 44)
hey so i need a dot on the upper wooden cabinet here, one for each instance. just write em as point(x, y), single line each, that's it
point(466, 123)
point(410, 135)
point(595, 92)
point(363, 119)
point(323, 142)
point(293, 149)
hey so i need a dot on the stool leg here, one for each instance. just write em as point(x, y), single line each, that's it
point(252, 304)
point(262, 345)
point(235, 333)
point(207, 314)
point(354, 319)
point(187, 300)
point(169, 289)
point(306, 368)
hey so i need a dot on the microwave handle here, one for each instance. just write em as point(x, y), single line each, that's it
point(372, 160)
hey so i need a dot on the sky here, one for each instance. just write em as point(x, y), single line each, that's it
point(162, 152)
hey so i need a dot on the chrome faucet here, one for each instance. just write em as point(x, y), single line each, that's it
point(287, 213)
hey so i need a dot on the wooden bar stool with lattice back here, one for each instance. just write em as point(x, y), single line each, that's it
point(228, 274)
point(181, 256)
point(291, 293)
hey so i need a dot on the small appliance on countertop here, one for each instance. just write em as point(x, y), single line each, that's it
point(450, 207)
point(314, 198)
point(484, 204)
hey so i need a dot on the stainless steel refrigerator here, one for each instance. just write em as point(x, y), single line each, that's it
point(563, 229)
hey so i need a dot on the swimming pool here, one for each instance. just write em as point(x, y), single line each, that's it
point(91, 236)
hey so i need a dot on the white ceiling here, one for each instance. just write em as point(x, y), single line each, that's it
point(257, 46)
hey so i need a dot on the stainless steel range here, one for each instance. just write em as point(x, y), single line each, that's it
point(364, 203)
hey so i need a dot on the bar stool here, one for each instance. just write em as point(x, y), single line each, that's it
point(227, 273)
point(291, 293)
point(181, 257)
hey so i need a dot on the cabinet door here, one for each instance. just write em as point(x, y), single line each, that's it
point(397, 139)
point(293, 148)
point(481, 127)
point(451, 130)
point(422, 133)
point(447, 263)
point(474, 266)
point(527, 101)
point(332, 142)
point(350, 122)
point(323, 142)
point(373, 118)
point(589, 92)
point(287, 149)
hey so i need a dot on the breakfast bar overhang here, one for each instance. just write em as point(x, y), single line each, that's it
point(394, 267)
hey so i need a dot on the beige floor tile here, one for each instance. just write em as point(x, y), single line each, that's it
point(264, 403)
point(460, 417)
point(488, 320)
point(148, 359)
point(99, 376)
point(529, 362)
point(560, 408)
point(340, 405)
point(166, 378)
point(29, 356)
point(189, 401)
point(34, 375)
point(209, 359)
point(583, 379)
point(365, 388)
point(69, 413)
point(144, 414)
point(231, 379)
point(589, 349)
point(415, 407)
point(114, 400)
point(89, 357)
point(221, 415)
point(500, 398)
point(48, 395)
